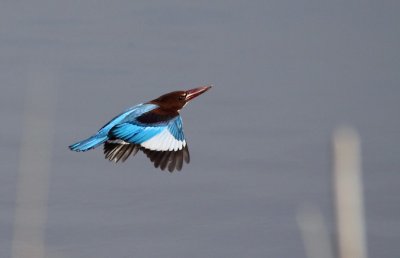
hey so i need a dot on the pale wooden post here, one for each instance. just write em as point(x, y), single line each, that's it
point(34, 165)
point(348, 193)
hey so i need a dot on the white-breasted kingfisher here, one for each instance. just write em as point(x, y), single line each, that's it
point(154, 127)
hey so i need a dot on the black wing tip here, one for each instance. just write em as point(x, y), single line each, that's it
point(116, 152)
point(168, 160)
point(164, 160)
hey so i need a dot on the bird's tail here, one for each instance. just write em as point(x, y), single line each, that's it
point(89, 143)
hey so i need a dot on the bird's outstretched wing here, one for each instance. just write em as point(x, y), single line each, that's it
point(162, 141)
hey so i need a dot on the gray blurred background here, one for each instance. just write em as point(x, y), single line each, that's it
point(286, 74)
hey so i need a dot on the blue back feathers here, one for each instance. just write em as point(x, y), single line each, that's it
point(129, 126)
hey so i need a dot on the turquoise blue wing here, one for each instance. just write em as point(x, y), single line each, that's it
point(175, 127)
point(163, 143)
point(160, 137)
point(134, 133)
point(169, 147)
point(126, 116)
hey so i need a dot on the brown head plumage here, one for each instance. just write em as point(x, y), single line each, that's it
point(176, 100)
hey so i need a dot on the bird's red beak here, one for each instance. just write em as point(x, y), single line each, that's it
point(191, 94)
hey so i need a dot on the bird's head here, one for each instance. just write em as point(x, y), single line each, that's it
point(176, 100)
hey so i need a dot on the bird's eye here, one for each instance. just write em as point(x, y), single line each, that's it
point(182, 97)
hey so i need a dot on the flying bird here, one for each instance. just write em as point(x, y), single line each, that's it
point(154, 127)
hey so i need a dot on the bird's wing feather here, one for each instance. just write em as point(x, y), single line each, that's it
point(163, 142)
point(134, 133)
point(157, 137)
point(169, 147)
point(127, 115)
point(170, 138)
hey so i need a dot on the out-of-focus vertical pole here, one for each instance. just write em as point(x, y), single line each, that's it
point(314, 232)
point(348, 193)
point(34, 165)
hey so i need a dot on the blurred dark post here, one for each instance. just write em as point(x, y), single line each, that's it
point(348, 193)
point(34, 164)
